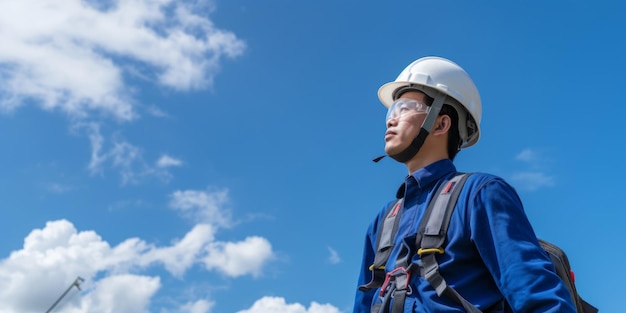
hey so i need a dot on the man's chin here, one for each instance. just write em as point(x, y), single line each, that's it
point(392, 150)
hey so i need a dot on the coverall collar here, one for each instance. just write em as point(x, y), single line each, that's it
point(429, 174)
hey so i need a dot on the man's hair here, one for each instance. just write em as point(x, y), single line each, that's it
point(454, 139)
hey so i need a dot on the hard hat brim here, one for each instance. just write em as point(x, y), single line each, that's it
point(385, 92)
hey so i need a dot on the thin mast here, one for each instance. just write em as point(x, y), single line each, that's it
point(75, 283)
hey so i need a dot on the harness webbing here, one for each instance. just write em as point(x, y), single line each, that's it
point(430, 240)
point(432, 236)
point(384, 245)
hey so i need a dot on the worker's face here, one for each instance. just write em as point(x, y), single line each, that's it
point(404, 121)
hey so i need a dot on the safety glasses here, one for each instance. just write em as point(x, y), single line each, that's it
point(403, 108)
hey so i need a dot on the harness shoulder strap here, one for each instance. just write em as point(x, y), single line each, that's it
point(388, 228)
point(434, 226)
point(432, 235)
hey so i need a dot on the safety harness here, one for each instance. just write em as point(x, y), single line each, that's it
point(430, 240)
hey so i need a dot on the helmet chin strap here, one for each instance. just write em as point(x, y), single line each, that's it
point(417, 143)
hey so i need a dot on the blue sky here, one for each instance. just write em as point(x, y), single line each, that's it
point(215, 156)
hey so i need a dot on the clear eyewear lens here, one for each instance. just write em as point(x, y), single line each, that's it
point(405, 107)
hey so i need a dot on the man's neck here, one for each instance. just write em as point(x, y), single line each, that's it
point(418, 162)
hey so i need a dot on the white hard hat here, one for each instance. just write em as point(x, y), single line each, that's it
point(435, 75)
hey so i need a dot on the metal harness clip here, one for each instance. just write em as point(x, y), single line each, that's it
point(401, 277)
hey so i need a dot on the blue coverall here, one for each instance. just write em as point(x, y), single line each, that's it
point(491, 254)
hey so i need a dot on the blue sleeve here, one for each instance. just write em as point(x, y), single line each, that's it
point(363, 299)
point(509, 248)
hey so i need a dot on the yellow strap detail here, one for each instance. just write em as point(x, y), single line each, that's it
point(430, 250)
point(380, 267)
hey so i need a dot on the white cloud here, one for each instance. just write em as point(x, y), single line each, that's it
point(535, 176)
point(230, 258)
point(76, 56)
point(96, 140)
point(203, 206)
point(239, 258)
point(168, 161)
point(179, 257)
point(333, 257)
point(121, 294)
point(155, 111)
point(200, 306)
point(278, 305)
point(532, 180)
point(86, 57)
point(126, 158)
point(32, 278)
point(528, 155)
point(58, 188)
point(122, 156)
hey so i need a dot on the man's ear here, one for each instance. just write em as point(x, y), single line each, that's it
point(442, 125)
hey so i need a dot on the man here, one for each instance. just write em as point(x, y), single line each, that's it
point(492, 257)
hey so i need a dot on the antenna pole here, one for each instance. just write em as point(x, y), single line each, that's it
point(75, 283)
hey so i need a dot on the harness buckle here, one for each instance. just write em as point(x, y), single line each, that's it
point(400, 276)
